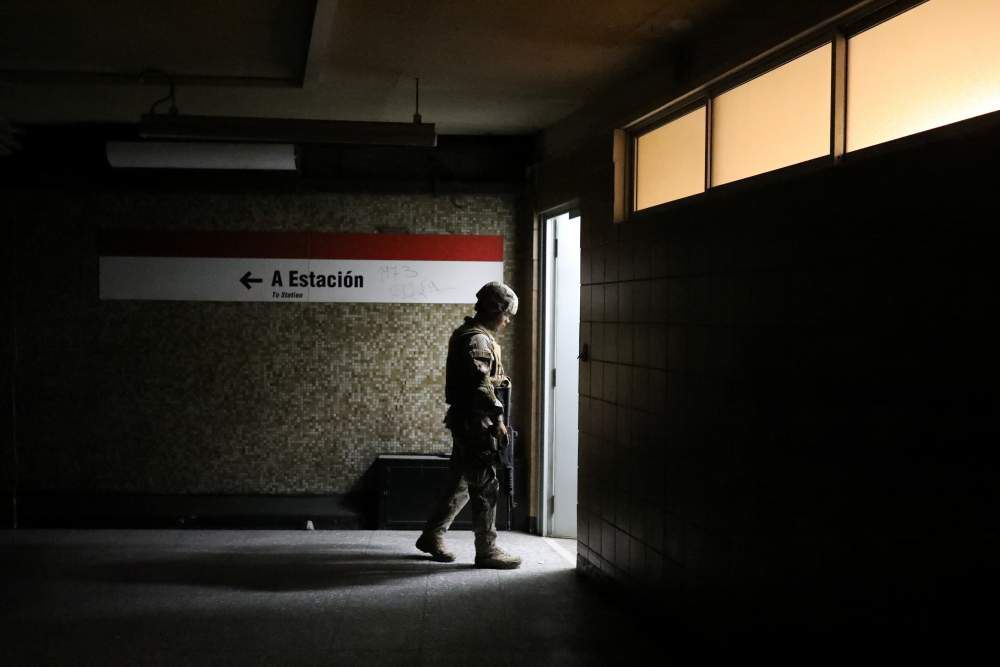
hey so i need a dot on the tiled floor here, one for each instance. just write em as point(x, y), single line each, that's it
point(112, 597)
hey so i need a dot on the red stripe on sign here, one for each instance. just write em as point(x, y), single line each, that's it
point(303, 245)
point(433, 247)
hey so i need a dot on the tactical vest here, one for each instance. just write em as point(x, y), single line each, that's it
point(459, 383)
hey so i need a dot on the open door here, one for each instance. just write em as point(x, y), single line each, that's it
point(561, 396)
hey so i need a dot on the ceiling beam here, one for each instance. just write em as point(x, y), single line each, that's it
point(130, 79)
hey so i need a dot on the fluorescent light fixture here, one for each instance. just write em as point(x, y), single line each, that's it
point(292, 130)
point(206, 155)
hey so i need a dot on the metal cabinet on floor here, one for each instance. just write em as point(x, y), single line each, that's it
point(408, 487)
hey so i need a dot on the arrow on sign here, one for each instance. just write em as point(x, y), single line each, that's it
point(246, 280)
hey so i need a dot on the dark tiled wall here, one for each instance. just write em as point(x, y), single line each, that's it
point(219, 398)
point(790, 415)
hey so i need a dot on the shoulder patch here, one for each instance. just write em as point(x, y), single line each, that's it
point(480, 346)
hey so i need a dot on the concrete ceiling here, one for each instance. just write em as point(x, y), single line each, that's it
point(504, 66)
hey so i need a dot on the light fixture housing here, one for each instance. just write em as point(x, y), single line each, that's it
point(200, 155)
point(290, 130)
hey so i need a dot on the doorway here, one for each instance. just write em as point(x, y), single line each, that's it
point(560, 398)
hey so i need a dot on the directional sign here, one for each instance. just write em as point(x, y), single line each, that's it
point(298, 267)
point(248, 281)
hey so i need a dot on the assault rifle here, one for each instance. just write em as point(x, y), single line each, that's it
point(506, 454)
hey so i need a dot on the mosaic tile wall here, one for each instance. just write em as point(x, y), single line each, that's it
point(220, 398)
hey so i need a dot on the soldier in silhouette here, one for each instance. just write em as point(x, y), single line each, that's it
point(475, 417)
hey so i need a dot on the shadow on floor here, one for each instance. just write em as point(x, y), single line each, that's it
point(241, 569)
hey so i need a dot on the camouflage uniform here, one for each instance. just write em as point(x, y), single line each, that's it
point(474, 368)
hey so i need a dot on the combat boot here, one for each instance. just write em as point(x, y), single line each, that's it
point(433, 544)
point(498, 559)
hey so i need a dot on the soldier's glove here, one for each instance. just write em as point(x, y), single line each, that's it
point(500, 432)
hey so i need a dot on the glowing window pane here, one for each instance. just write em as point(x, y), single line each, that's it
point(777, 119)
point(936, 64)
point(670, 161)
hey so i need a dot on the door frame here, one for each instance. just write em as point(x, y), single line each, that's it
point(543, 430)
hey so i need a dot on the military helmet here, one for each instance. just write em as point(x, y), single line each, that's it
point(495, 297)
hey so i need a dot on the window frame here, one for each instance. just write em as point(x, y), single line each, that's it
point(835, 31)
point(655, 123)
point(779, 61)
